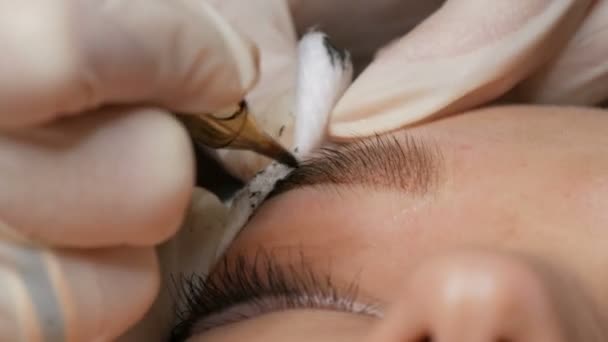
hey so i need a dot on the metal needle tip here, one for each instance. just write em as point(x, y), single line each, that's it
point(238, 131)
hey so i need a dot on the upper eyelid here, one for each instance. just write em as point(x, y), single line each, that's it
point(266, 305)
point(244, 279)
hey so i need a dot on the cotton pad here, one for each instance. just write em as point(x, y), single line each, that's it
point(323, 74)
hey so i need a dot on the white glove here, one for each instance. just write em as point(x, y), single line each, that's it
point(304, 90)
point(470, 52)
point(78, 174)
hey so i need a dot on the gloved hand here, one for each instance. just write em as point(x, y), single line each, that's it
point(88, 189)
point(470, 52)
point(193, 249)
point(269, 24)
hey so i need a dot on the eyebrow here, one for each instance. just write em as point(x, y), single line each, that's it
point(390, 161)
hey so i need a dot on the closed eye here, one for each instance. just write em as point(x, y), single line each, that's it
point(242, 288)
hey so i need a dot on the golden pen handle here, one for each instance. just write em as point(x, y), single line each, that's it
point(237, 131)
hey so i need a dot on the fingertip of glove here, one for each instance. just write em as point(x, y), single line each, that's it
point(103, 292)
point(244, 52)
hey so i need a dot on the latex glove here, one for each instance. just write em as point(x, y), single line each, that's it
point(268, 24)
point(579, 74)
point(470, 52)
point(191, 251)
point(119, 179)
point(299, 84)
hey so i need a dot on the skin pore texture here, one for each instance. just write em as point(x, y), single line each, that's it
point(486, 226)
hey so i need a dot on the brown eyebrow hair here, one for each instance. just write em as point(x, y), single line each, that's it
point(388, 161)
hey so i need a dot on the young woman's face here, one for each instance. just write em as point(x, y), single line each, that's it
point(487, 226)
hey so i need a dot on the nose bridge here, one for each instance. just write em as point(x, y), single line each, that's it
point(473, 297)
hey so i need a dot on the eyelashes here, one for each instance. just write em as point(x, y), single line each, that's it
point(244, 287)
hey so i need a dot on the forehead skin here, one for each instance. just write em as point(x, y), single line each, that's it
point(528, 180)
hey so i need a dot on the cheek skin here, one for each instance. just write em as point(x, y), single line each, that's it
point(333, 236)
point(383, 251)
point(514, 182)
point(527, 187)
point(513, 205)
point(383, 236)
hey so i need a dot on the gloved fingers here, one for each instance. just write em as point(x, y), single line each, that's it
point(468, 52)
point(579, 75)
point(68, 56)
point(114, 176)
point(87, 295)
point(377, 22)
point(191, 251)
point(268, 23)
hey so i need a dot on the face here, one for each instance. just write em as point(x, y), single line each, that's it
point(487, 226)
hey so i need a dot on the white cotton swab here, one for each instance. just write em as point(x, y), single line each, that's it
point(323, 74)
